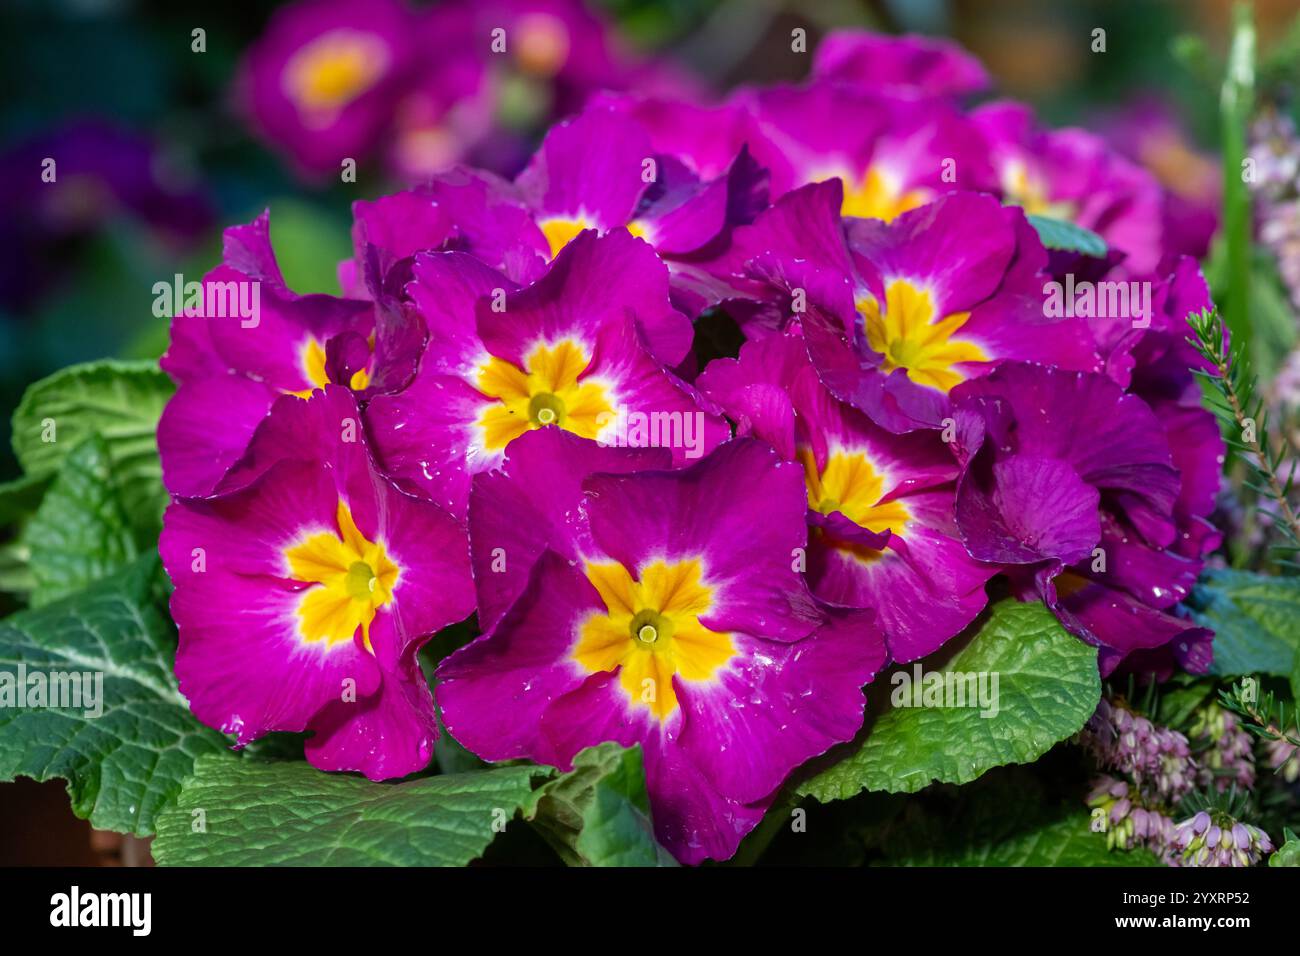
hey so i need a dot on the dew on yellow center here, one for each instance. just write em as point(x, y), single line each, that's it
point(313, 366)
point(879, 195)
point(908, 336)
point(651, 630)
point(851, 485)
point(353, 578)
point(546, 391)
point(1023, 189)
point(332, 70)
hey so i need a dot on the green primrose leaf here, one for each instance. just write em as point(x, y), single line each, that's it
point(1256, 621)
point(121, 402)
point(598, 813)
point(80, 531)
point(1067, 237)
point(124, 753)
point(256, 813)
point(1047, 688)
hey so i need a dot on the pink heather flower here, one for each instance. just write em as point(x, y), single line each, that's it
point(1277, 191)
point(1284, 757)
point(1158, 758)
point(1216, 839)
point(1128, 823)
point(1229, 754)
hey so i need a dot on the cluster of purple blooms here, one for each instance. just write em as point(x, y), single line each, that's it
point(1128, 823)
point(1226, 751)
point(504, 416)
point(1276, 185)
point(1204, 840)
point(1162, 766)
point(1158, 759)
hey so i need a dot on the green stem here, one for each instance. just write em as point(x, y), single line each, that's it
point(756, 844)
point(1261, 448)
point(1237, 102)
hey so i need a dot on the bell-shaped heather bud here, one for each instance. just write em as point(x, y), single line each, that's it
point(1229, 755)
point(1284, 758)
point(1218, 840)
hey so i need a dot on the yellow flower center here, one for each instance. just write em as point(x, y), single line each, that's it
point(332, 71)
point(313, 366)
point(354, 577)
point(878, 195)
point(546, 391)
point(651, 630)
point(909, 338)
point(850, 485)
point(1030, 193)
point(561, 230)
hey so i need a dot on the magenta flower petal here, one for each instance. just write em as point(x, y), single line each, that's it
point(897, 551)
point(588, 172)
point(461, 209)
point(1121, 625)
point(1095, 461)
point(381, 736)
point(338, 578)
point(1074, 175)
point(890, 155)
point(591, 280)
point(194, 454)
point(571, 347)
point(750, 561)
point(534, 503)
point(902, 66)
point(672, 601)
point(494, 692)
point(782, 705)
point(692, 819)
point(266, 340)
point(1026, 509)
